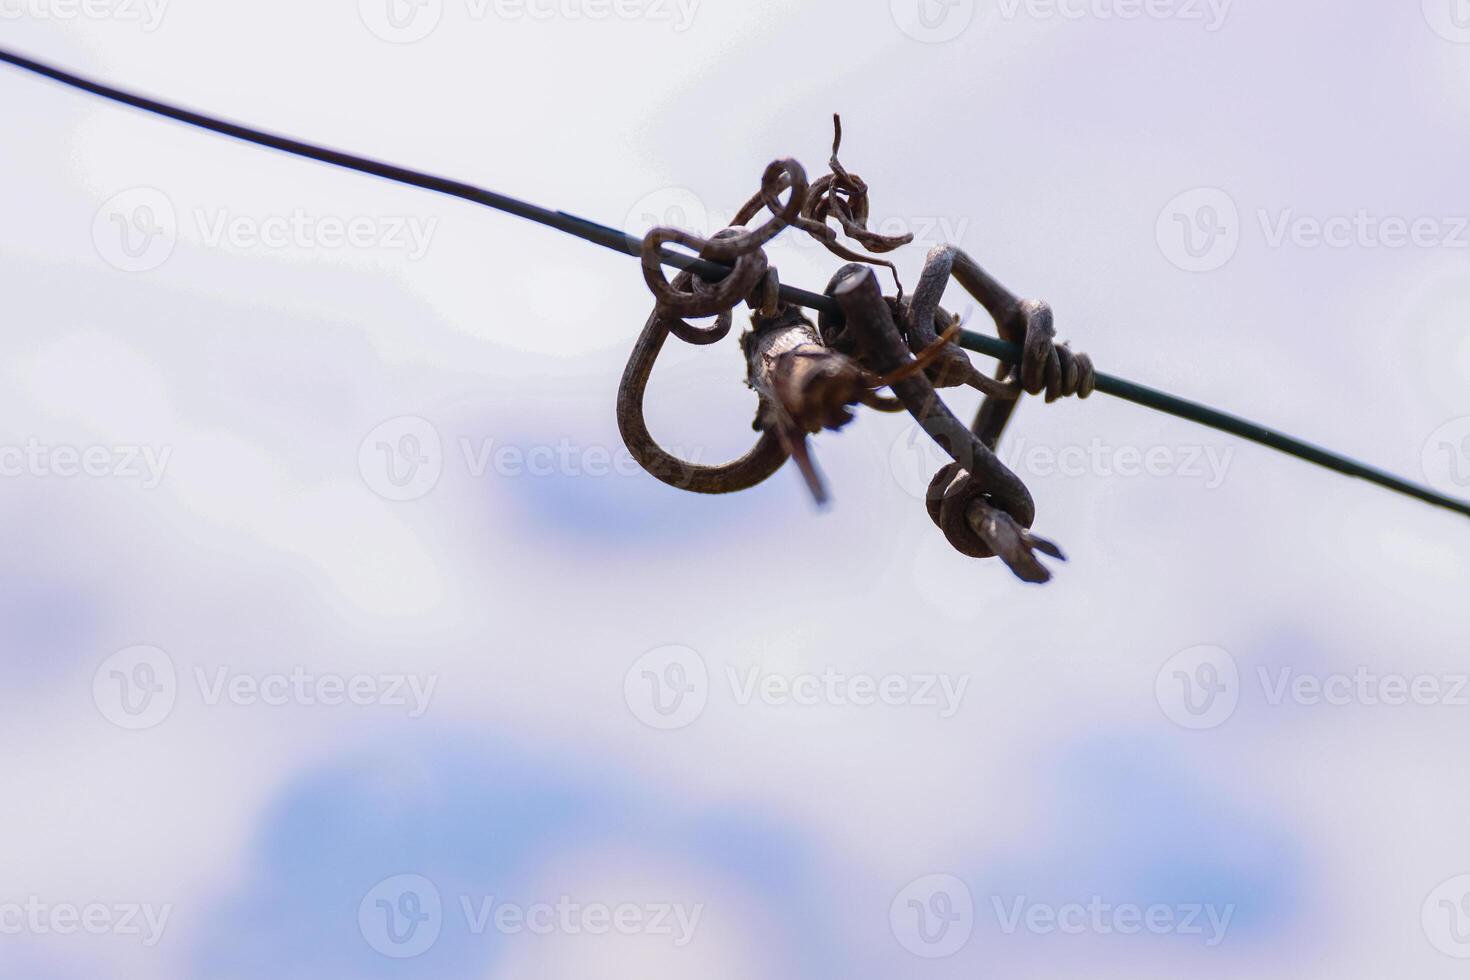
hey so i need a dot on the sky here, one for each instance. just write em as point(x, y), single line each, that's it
point(342, 639)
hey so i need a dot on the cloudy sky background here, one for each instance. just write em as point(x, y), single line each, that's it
point(1120, 738)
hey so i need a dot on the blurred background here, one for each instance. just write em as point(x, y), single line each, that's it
point(342, 639)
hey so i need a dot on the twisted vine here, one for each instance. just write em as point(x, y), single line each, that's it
point(809, 378)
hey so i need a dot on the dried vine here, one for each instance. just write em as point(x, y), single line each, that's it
point(810, 378)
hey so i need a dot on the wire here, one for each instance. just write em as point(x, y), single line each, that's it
point(586, 230)
point(620, 241)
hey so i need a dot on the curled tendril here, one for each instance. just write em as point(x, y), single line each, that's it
point(810, 378)
point(689, 295)
point(840, 194)
point(844, 195)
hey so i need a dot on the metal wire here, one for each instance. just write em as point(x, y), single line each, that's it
point(620, 241)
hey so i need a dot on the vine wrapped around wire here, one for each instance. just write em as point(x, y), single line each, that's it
point(809, 378)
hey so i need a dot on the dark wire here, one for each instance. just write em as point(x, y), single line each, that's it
point(620, 241)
